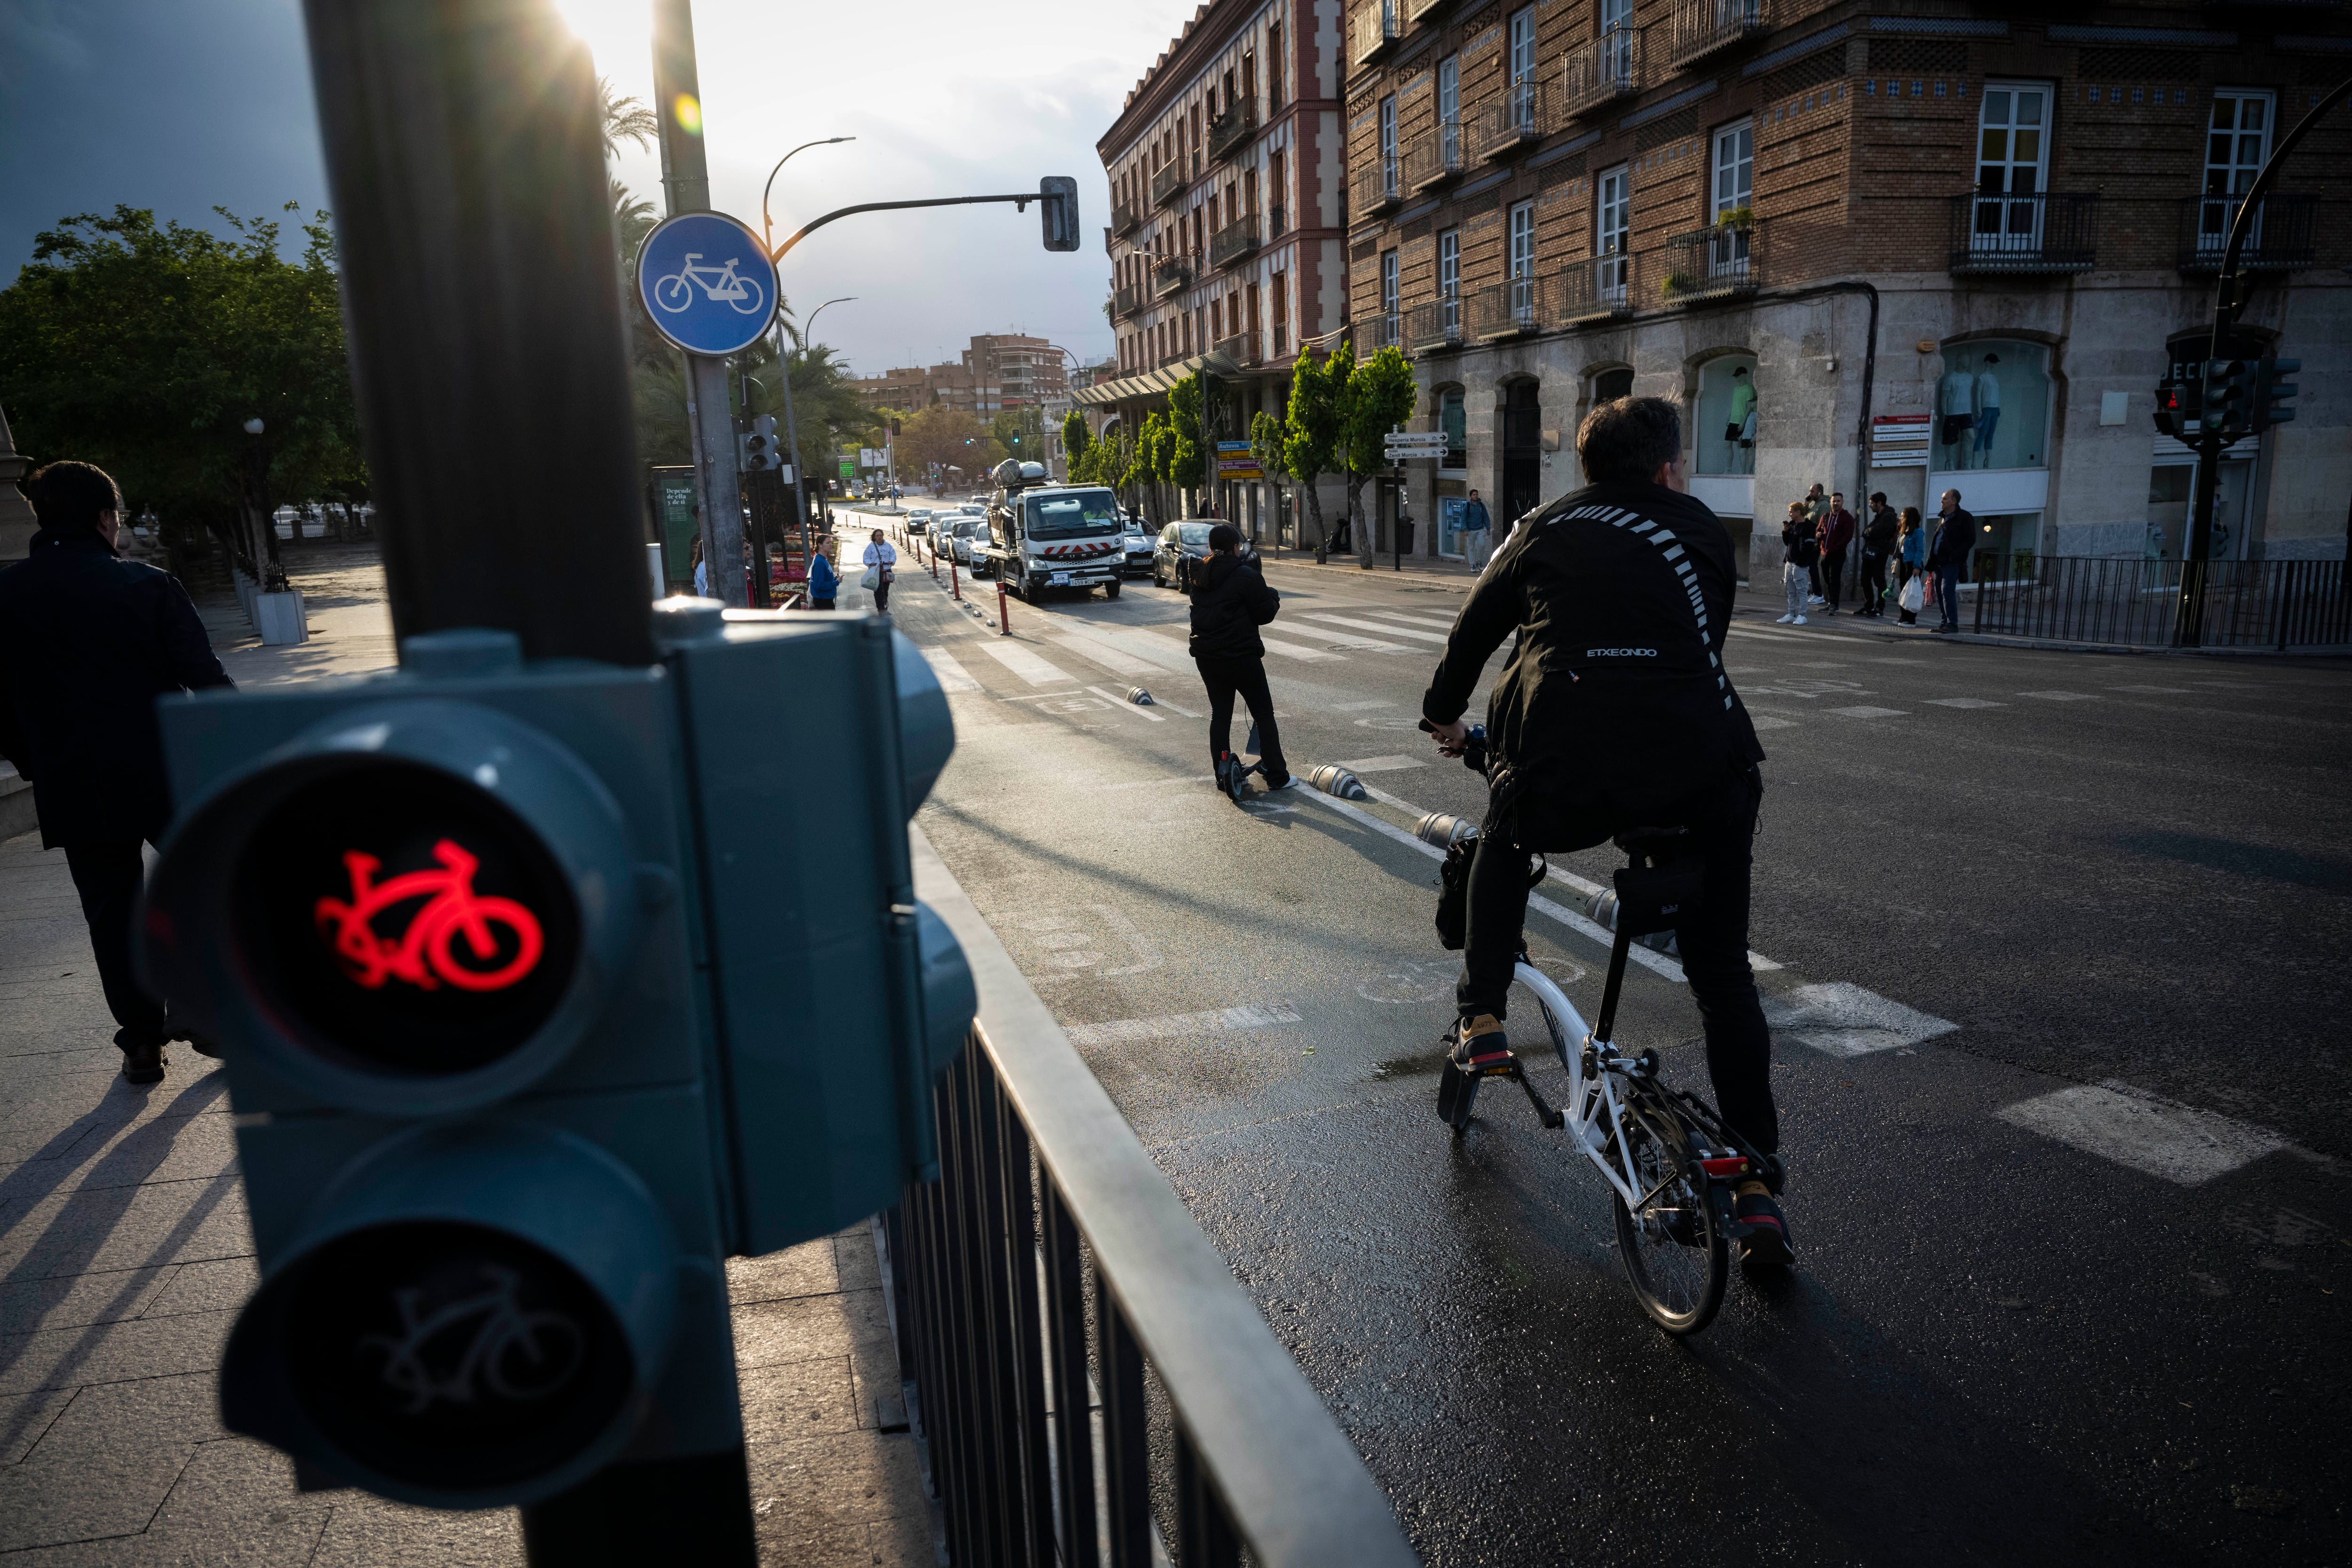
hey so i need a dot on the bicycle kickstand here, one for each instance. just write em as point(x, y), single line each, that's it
point(1544, 1111)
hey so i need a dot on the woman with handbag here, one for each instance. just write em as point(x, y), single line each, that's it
point(1910, 579)
point(881, 566)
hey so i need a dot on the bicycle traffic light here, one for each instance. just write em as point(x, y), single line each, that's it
point(2272, 392)
point(1059, 203)
point(535, 1008)
point(761, 449)
point(2229, 384)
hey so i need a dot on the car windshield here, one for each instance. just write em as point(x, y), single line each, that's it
point(1070, 514)
point(1195, 532)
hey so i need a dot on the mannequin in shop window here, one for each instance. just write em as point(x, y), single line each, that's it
point(1955, 409)
point(1739, 430)
point(1987, 409)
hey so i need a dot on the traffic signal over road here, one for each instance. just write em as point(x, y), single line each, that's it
point(1058, 203)
point(535, 1007)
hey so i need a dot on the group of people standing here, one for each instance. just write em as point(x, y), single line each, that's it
point(1818, 532)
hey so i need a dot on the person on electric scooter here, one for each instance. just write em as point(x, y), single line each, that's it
point(1230, 602)
point(1614, 713)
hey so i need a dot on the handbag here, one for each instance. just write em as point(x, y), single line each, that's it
point(872, 580)
point(1915, 594)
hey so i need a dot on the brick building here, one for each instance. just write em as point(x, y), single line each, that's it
point(997, 373)
point(1831, 229)
point(1227, 212)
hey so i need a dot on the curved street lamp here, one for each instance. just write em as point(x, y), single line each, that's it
point(783, 359)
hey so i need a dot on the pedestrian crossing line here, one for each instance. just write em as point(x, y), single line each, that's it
point(1764, 722)
point(1216, 1021)
point(1304, 654)
point(1111, 657)
point(1963, 703)
point(1842, 1019)
point(2178, 1143)
point(1389, 764)
point(1864, 711)
point(2061, 696)
point(1124, 706)
point(1162, 653)
point(1431, 621)
point(952, 676)
point(1326, 617)
point(2155, 690)
point(1024, 663)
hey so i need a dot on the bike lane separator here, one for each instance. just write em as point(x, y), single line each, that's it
point(1124, 706)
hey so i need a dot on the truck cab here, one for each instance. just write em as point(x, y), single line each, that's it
point(1044, 536)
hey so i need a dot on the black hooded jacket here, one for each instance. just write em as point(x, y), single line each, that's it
point(1230, 602)
point(1615, 700)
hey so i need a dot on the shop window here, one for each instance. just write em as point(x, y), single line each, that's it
point(1724, 439)
point(1455, 424)
point(1993, 407)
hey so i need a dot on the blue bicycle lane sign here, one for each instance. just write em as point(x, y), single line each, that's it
point(706, 283)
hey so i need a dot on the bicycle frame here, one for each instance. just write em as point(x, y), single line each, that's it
point(1593, 1105)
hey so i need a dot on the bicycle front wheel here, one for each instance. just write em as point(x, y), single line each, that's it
point(1676, 1257)
point(673, 293)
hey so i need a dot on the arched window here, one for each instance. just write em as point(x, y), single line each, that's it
point(1610, 385)
point(1723, 438)
point(1992, 407)
point(1454, 422)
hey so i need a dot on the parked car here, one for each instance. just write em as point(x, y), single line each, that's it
point(1181, 544)
point(1140, 546)
point(965, 530)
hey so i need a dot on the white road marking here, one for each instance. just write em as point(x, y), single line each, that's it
point(1823, 663)
point(1866, 712)
point(1410, 620)
point(1360, 707)
point(1115, 659)
point(1217, 1021)
point(1326, 617)
point(1963, 703)
point(1383, 764)
point(1124, 706)
point(1164, 652)
point(1766, 721)
point(2155, 690)
point(952, 676)
point(1305, 655)
point(1839, 1019)
point(2061, 696)
point(1026, 664)
point(2180, 1143)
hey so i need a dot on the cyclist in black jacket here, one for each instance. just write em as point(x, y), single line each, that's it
point(1614, 713)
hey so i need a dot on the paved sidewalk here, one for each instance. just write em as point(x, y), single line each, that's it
point(125, 1255)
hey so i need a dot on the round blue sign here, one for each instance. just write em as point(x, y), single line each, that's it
point(705, 282)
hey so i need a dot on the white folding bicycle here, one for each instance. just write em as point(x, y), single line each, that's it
point(1669, 1162)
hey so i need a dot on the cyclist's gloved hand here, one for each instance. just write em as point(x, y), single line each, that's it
point(1450, 738)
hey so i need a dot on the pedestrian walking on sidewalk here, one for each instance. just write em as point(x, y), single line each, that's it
point(88, 642)
point(1477, 527)
point(881, 566)
point(1948, 557)
point(701, 573)
point(823, 581)
point(1230, 601)
point(1877, 544)
point(1911, 564)
point(1800, 549)
point(1817, 505)
point(1836, 531)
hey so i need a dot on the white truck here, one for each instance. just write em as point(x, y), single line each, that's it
point(1043, 535)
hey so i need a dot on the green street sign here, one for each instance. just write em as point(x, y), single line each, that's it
point(848, 467)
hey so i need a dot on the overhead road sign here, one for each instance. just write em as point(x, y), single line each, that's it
point(707, 284)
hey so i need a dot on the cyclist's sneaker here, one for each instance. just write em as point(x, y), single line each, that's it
point(1760, 1229)
point(1278, 781)
point(1480, 1047)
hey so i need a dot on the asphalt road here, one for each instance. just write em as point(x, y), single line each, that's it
point(2059, 1000)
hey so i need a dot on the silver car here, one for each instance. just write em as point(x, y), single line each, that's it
point(964, 533)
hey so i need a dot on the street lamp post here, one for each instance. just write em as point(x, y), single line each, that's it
point(783, 357)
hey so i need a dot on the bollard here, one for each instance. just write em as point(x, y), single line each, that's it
point(955, 583)
point(1604, 912)
point(1333, 779)
point(1139, 697)
point(1444, 830)
point(1004, 610)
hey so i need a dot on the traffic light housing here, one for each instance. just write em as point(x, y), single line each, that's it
point(536, 1003)
point(1058, 203)
point(761, 449)
point(2179, 403)
point(2226, 403)
point(2273, 393)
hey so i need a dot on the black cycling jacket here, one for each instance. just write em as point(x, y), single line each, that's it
point(1615, 698)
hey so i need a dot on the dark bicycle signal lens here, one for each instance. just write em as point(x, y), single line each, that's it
point(404, 921)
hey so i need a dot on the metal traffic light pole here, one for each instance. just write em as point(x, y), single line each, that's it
point(2188, 622)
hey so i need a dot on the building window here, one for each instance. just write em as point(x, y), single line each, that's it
point(1612, 224)
point(1449, 278)
point(1274, 67)
point(2013, 161)
point(1523, 45)
point(1992, 408)
point(1735, 169)
point(1389, 333)
point(1522, 256)
point(1723, 439)
point(1449, 111)
point(2237, 142)
point(1388, 147)
point(1281, 289)
point(1452, 420)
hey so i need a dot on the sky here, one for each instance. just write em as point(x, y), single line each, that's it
point(186, 105)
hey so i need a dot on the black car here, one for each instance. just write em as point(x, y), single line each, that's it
point(1181, 544)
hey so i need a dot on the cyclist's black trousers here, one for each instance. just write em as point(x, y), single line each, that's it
point(1713, 945)
point(1225, 678)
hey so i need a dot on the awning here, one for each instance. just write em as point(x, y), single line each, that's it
point(1155, 383)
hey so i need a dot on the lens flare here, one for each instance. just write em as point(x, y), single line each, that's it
point(687, 112)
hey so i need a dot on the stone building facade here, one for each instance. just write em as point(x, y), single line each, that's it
point(1895, 246)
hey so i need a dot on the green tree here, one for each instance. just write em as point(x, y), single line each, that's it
point(1311, 428)
point(1377, 397)
point(1156, 453)
point(1076, 442)
point(146, 348)
point(1188, 457)
point(1266, 446)
point(935, 437)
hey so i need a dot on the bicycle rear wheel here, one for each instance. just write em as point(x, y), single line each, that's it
point(1676, 1257)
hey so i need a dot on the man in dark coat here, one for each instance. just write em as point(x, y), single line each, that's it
point(1615, 712)
point(1947, 558)
point(1230, 602)
point(88, 642)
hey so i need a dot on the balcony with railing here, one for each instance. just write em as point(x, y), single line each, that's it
point(1602, 74)
point(1436, 158)
point(1376, 29)
point(1519, 116)
point(1124, 217)
point(1125, 300)
point(1382, 331)
point(1436, 325)
point(1171, 275)
point(1514, 307)
point(1241, 348)
point(2279, 239)
point(1237, 240)
point(1418, 11)
point(1704, 27)
point(1168, 180)
point(1717, 262)
point(1234, 128)
point(1598, 289)
point(1378, 186)
point(2024, 235)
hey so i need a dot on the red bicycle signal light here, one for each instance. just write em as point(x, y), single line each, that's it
point(424, 954)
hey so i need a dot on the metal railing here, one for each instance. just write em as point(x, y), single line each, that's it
point(2279, 239)
point(1710, 263)
point(1602, 73)
point(1168, 180)
point(1598, 289)
point(2276, 604)
point(1237, 239)
point(1435, 157)
point(1704, 26)
point(1241, 348)
point(1515, 306)
point(1383, 331)
point(1124, 218)
point(1378, 186)
point(1520, 113)
point(1436, 325)
point(1170, 275)
point(2046, 232)
point(1376, 29)
point(1088, 1382)
point(1236, 125)
point(1126, 300)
